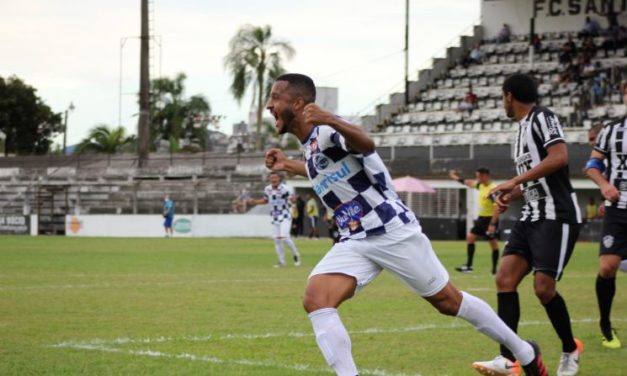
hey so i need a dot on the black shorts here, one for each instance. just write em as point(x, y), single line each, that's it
point(614, 234)
point(480, 228)
point(546, 244)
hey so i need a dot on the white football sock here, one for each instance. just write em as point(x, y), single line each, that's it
point(484, 319)
point(333, 341)
point(292, 246)
point(623, 266)
point(278, 246)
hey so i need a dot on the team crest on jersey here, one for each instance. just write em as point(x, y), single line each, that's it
point(608, 241)
point(320, 161)
point(348, 215)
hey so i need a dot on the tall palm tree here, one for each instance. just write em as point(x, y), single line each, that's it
point(172, 115)
point(102, 139)
point(255, 59)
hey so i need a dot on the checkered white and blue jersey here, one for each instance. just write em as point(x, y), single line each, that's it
point(279, 201)
point(357, 188)
point(612, 142)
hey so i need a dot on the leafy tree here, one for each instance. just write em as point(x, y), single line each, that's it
point(255, 59)
point(102, 139)
point(26, 121)
point(175, 117)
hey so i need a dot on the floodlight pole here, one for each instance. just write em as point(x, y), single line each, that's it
point(143, 131)
point(406, 52)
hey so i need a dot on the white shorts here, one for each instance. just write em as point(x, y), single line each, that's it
point(282, 229)
point(406, 252)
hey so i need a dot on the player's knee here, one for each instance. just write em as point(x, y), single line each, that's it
point(314, 302)
point(544, 292)
point(607, 271)
point(470, 238)
point(504, 281)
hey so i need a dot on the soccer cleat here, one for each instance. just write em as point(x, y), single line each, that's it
point(296, 261)
point(613, 343)
point(569, 362)
point(464, 269)
point(499, 366)
point(278, 265)
point(536, 367)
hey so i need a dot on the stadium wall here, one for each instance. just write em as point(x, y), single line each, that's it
point(231, 225)
point(550, 15)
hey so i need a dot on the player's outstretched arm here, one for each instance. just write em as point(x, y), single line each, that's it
point(355, 137)
point(276, 160)
point(467, 182)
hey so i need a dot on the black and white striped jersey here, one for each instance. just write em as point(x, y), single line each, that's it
point(612, 142)
point(551, 197)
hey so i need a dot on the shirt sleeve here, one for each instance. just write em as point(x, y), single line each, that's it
point(603, 140)
point(548, 127)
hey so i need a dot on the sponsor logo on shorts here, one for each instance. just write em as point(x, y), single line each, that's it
point(608, 241)
point(348, 215)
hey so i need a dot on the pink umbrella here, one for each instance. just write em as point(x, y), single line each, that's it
point(412, 185)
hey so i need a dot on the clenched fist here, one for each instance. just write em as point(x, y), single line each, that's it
point(316, 115)
point(275, 160)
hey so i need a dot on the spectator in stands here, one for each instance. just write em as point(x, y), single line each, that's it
point(597, 92)
point(470, 102)
point(568, 52)
point(612, 19)
point(587, 69)
point(168, 214)
point(486, 224)
point(588, 47)
point(536, 42)
point(504, 35)
point(476, 56)
point(311, 207)
point(591, 28)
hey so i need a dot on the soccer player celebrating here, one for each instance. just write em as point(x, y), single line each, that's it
point(487, 223)
point(544, 237)
point(280, 197)
point(611, 144)
point(377, 230)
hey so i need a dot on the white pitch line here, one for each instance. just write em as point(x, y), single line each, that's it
point(416, 328)
point(142, 284)
point(214, 360)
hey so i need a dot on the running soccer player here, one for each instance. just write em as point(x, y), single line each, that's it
point(377, 230)
point(280, 196)
point(611, 144)
point(487, 223)
point(543, 239)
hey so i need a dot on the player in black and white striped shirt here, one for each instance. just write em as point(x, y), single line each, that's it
point(543, 239)
point(611, 178)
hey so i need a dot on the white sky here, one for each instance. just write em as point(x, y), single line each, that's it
point(70, 49)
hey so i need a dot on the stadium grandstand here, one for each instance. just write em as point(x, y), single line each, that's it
point(434, 133)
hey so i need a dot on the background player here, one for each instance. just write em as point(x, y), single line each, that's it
point(543, 239)
point(280, 197)
point(611, 145)
point(168, 215)
point(377, 230)
point(486, 224)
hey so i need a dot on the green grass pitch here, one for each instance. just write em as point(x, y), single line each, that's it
point(95, 306)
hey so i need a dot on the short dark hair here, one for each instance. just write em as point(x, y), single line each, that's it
point(483, 170)
point(300, 85)
point(523, 87)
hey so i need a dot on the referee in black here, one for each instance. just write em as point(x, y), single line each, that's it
point(611, 146)
point(543, 239)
